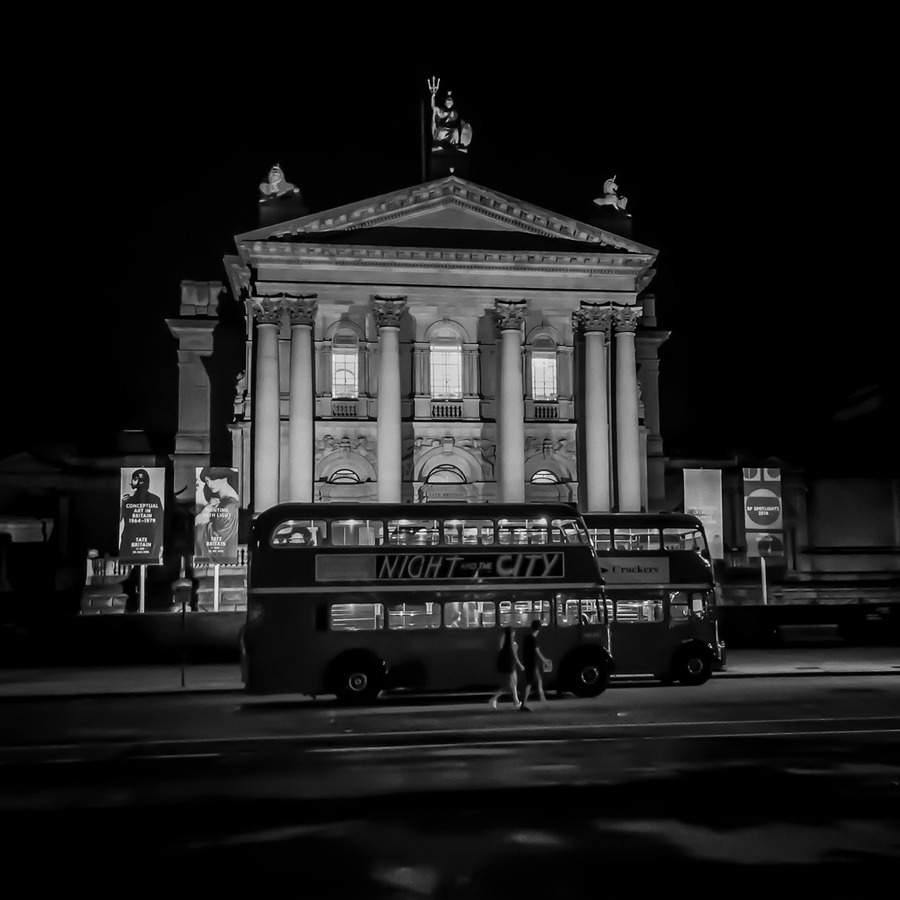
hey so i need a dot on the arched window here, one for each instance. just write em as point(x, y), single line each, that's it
point(343, 476)
point(545, 476)
point(445, 474)
point(345, 365)
point(446, 365)
point(543, 368)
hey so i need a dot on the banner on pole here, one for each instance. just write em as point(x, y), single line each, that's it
point(141, 515)
point(703, 499)
point(218, 514)
point(763, 513)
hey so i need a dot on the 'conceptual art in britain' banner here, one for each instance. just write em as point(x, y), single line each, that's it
point(703, 499)
point(216, 521)
point(141, 515)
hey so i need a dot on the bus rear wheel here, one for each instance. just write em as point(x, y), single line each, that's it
point(587, 675)
point(692, 665)
point(358, 679)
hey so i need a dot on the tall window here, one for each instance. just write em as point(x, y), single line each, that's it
point(344, 365)
point(543, 368)
point(446, 366)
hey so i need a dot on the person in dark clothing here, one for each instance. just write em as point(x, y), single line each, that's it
point(508, 664)
point(534, 663)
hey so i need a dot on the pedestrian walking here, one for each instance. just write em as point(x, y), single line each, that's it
point(535, 663)
point(508, 665)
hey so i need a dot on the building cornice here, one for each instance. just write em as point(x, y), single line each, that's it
point(338, 255)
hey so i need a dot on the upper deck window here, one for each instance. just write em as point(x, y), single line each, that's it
point(630, 539)
point(415, 532)
point(357, 532)
point(298, 533)
point(684, 539)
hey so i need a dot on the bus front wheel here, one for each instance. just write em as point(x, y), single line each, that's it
point(358, 678)
point(692, 665)
point(587, 675)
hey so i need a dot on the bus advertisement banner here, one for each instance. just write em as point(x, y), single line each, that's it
point(763, 512)
point(216, 521)
point(703, 499)
point(373, 567)
point(628, 570)
point(141, 515)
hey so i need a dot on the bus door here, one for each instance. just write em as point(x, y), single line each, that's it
point(641, 642)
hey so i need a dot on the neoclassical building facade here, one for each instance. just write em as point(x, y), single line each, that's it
point(444, 341)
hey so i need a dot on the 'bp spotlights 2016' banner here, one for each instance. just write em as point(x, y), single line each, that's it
point(703, 499)
point(218, 514)
point(763, 515)
point(141, 515)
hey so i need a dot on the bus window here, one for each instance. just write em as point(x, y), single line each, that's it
point(298, 533)
point(679, 606)
point(413, 531)
point(410, 616)
point(639, 610)
point(631, 539)
point(566, 532)
point(524, 612)
point(567, 611)
point(684, 539)
point(357, 616)
point(601, 539)
point(590, 612)
point(468, 531)
point(357, 533)
point(469, 614)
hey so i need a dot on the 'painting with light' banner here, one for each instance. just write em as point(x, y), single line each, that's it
point(763, 513)
point(218, 515)
point(141, 515)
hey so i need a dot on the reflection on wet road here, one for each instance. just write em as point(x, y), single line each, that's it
point(745, 786)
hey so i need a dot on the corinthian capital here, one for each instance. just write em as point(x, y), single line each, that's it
point(594, 317)
point(388, 311)
point(302, 309)
point(626, 317)
point(268, 310)
point(509, 314)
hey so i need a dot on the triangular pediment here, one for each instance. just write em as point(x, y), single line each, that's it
point(442, 207)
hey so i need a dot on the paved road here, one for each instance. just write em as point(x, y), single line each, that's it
point(89, 680)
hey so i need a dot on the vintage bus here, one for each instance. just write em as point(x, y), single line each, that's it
point(356, 599)
point(662, 593)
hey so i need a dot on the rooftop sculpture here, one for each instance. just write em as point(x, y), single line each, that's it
point(448, 129)
point(276, 185)
point(611, 195)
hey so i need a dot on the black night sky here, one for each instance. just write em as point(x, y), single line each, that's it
point(754, 170)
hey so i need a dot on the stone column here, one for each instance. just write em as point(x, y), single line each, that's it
point(388, 312)
point(627, 443)
point(301, 418)
point(509, 316)
point(266, 405)
point(596, 320)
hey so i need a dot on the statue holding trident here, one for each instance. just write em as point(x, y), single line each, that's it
point(448, 130)
point(611, 195)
